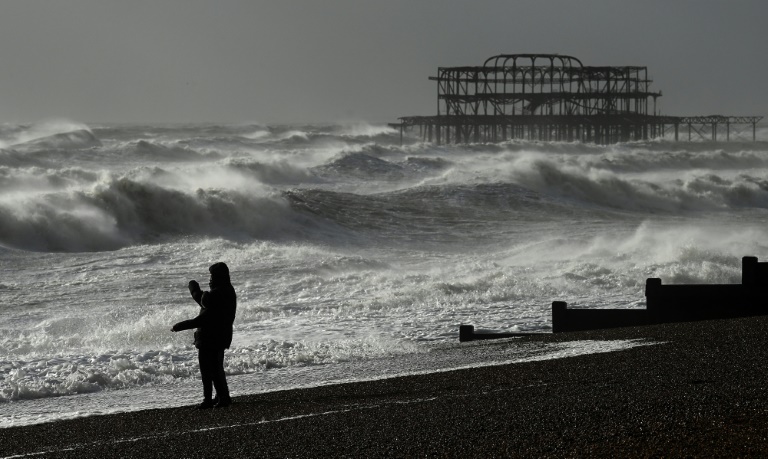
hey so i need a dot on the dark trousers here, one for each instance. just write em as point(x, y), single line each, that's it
point(212, 372)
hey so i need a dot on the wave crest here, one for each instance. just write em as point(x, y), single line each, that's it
point(120, 212)
point(694, 191)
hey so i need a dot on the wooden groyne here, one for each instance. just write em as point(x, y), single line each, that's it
point(681, 302)
point(665, 303)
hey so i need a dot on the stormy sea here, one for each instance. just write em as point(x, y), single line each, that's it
point(354, 257)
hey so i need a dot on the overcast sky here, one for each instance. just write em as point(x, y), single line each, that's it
point(332, 60)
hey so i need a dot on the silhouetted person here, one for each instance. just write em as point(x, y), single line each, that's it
point(214, 333)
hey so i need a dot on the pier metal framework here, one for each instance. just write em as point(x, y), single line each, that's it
point(714, 126)
point(552, 97)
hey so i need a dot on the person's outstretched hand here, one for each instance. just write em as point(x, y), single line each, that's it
point(193, 286)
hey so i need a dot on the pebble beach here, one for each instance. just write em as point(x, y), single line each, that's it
point(695, 390)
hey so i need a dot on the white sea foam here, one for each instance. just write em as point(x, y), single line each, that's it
point(363, 129)
point(175, 389)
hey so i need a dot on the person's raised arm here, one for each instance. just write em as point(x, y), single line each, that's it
point(194, 289)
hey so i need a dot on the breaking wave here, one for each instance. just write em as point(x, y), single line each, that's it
point(276, 173)
point(694, 190)
point(144, 149)
point(51, 134)
point(120, 211)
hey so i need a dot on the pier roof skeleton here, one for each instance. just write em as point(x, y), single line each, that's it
point(551, 97)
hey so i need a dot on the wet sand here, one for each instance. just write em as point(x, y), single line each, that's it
point(702, 390)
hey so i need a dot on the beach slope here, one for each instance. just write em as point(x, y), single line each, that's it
point(697, 389)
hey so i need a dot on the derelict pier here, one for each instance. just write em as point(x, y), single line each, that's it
point(553, 97)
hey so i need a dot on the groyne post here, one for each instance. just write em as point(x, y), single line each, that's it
point(559, 316)
point(466, 333)
point(749, 272)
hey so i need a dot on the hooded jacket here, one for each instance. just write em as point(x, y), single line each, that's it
point(217, 310)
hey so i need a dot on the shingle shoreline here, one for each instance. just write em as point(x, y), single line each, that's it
point(702, 390)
